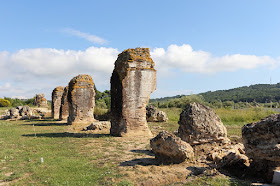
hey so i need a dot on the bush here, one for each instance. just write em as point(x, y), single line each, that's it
point(4, 103)
point(101, 114)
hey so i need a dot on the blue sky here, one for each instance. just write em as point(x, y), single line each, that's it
point(197, 45)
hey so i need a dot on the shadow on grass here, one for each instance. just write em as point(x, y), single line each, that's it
point(147, 152)
point(141, 161)
point(67, 134)
point(47, 124)
point(47, 119)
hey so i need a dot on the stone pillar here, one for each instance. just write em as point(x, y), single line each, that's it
point(81, 99)
point(40, 101)
point(132, 82)
point(56, 101)
point(64, 109)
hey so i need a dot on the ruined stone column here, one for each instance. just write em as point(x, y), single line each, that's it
point(81, 99)
point(40, 100)
point(132, 82)
point(56, 101)
point(64, 109)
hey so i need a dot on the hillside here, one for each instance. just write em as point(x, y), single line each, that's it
point(260, 93)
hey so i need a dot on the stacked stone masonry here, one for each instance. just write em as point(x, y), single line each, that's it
point(81, 99)
point(40, 101)
point(56, 101)
point(64, 109)
point(132, 82)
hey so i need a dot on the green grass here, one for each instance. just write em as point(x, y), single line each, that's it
point(238, 116)
point(68, 160)
point(64, 164)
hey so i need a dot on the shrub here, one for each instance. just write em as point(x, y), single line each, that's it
point(4, 103)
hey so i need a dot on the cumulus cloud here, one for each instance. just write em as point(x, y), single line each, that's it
point(30, 71)
point(36, 69)
point(186, 59)
point(87, 36)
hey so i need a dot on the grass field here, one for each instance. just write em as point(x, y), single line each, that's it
point(41, 153)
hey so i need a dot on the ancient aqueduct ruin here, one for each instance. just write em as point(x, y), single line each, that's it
point(200, 128)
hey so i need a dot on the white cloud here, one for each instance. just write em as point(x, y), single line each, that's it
point(41, 68)
point(30, 71)
point(186, 59)
point(87, 36)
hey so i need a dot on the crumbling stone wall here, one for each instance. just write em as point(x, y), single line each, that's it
point(40, 100)
point(56, 101)
point(64, 109)
point(81, 99)
point(132, 82)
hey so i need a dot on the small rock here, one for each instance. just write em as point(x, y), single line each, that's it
point(161, 116)
point(98, 126)
point(153, 114)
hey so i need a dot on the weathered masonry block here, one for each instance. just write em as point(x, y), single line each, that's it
point(56, 101)
point(64, 109)
point(132, 82)
point(40, 100)
point(81, 99)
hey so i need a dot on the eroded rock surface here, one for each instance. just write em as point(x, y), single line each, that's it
point(64, 109)
point(200, 124)
point(169, 148)
point(20, 112)
point(81, 99)
point(40, 100)
point(100, 125)
point(262, 139)
point(56, 101)
point(132, 82)
point(153, 114)
point(25, 111)
point(262, 144)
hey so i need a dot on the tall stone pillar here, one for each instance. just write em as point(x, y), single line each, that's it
point(64, 109)
point(81, 99)
point(56, 101)
point(132, 82)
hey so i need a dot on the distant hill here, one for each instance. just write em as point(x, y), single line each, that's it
point(165, 98)
point(260, 93)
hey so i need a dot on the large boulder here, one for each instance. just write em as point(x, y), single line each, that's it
point(169, 148)
point(132, 82)
point(25, 111)
point(262, 139)
point(262, 144)
point(155, 115)
point(14, 113)
point(200, 124)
